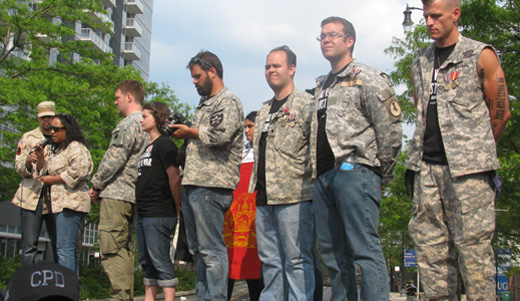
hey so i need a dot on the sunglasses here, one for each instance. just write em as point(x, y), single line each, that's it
point(56, 128)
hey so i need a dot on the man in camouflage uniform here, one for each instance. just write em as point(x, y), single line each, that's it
point(355, 142)
point(282, 177)
point(211, 173)
point(114, 186)
point(29, 196)
point(462, 109)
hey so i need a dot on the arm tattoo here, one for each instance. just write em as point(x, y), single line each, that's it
point(501, 99)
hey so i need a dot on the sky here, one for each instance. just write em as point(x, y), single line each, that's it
point(242, 32)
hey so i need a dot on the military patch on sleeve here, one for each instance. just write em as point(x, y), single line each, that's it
point(19, 151)
point(393, 108)
point(216, 119)
point(468, 53)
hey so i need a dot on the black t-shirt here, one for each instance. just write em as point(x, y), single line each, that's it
point(152, 189)
point(261, 194)
point(433, 146)
point(325, 156)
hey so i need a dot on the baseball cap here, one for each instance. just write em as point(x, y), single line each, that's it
point(43, 281)
point(46, 108)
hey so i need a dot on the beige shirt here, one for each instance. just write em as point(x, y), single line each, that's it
point(28, 193)
point(74, 165)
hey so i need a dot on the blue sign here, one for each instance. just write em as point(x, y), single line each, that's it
point(502, 283)
point(504, 258)
point(409, 258)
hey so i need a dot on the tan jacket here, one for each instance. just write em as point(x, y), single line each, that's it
point(28, 192)
point(74, 165)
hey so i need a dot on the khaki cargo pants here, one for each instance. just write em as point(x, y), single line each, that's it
point(116, 222)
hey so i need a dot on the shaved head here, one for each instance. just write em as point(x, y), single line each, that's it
point(449, 3)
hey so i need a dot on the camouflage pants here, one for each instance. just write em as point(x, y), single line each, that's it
point(116, 219)
point(453, 212)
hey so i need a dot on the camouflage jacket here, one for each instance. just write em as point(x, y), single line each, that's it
point(214, 159)
point(363, 119)
point(74, 166)
point(117, 172)
point(28, 193)
point(463, 115)
point(288, 171)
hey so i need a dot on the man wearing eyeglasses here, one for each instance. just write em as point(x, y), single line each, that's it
point(355, 141)
point(30, 198)
point(211, 172)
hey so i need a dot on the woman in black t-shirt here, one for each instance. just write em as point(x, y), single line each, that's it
point(158, 196)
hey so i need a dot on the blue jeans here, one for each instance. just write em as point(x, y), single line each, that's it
point(153, 243)
point(68, 223)
point(346, 205)
point(31, 227)
point(285, 243)
point(203, 210)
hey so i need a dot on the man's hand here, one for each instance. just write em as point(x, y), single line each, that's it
point(94, 195)
point(32, 158)
point(183, 131)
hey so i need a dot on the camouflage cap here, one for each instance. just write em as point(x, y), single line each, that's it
point(46, 108)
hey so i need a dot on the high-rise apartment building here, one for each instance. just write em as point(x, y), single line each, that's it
point(132, 33)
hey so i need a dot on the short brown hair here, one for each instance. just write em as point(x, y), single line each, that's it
point(133, 87)
point(348, 28)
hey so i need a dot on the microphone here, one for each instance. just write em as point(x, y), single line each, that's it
point(42, 144)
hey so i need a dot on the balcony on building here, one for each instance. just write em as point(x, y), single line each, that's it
point(109, 3)
point(89, 35)
point(134, 7)
point(43, 37)
point(132, 28)
point(102, 18)
point(131, 52)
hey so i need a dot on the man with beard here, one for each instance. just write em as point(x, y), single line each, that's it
point(211, 172)
point(30, 197)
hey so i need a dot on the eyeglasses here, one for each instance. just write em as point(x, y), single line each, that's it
point(196, 60)
point(333, 35)
point(56, 128)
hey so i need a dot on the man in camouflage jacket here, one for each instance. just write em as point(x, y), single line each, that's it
point(211, 173)
point(114, 185)
point(462, 109)
point(282, 176)
point(355, 141)
point(29, 195)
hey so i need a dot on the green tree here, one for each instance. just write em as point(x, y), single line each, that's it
point(394, 214)
point(404, 51)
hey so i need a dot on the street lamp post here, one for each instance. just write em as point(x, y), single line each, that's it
point(407, 23)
